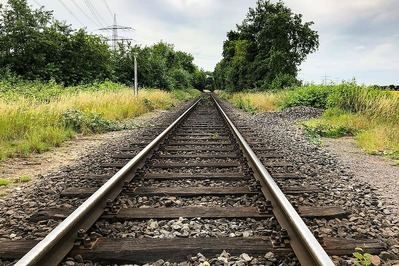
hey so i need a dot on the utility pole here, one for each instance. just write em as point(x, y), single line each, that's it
point(115, 37)
point(325, 79)
point(136, 90)
point(114, 34)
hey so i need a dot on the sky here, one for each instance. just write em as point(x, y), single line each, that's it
point(358, 38)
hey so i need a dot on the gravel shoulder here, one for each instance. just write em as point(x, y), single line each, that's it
point(381, 173)
point(68, 166)
point(370, 217)
point(370, 207)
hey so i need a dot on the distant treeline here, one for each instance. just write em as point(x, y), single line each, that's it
point(35, 46)
point(389, 87)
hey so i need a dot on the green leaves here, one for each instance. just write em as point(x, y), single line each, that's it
point(159, 66)
point(35, 46)
point(86, 122)
point(38, 47)
point(365, 259)
point(266, 49)
point(312, 96)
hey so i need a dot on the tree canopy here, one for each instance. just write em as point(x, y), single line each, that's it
point(160, 66)
point(266, 49)
point(35, 46)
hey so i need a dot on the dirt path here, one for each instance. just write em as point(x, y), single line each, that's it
point(381, 173)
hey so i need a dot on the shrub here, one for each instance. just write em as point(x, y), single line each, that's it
point(283, 81)
point(326, 130)
point(184, 95)
point(312, 96)
point(86, 122)
point(181, 78)
point(368, 113)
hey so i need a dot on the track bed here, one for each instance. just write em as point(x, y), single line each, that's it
point(194, 192)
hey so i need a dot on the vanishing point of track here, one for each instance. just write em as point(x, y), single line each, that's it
point(205, 146)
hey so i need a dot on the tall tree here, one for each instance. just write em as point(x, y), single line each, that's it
point(266, 49)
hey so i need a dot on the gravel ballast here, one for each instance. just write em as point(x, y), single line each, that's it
point(370, 216)
point(44, 191)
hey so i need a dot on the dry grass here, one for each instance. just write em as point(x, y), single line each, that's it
point(116, 105)
point(369, 114)
point(256, 102)
point(28, 125)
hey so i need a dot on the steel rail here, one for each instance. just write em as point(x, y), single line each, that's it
point(304, 244)
point(57, 244)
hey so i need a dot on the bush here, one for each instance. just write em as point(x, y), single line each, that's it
point(368, 113)
point(181, 78)
point(245, 104)
point(283, 81)
point(312, 96)
point(86, 122)
point(319, 128)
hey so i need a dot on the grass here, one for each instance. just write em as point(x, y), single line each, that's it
point(4, 182)
point(34, 122)
point(370, 115)
point(255, 101)
point(23, 179)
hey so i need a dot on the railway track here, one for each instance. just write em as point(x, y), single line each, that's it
point(199, 171)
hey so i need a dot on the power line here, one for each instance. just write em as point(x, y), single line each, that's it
point(37, 3)
point(325, 78)
point(70, 12)
point(92, 12)
point(114, 29)
point(108, 8)
point(98, 13)
point(85, 14)
point(95, 12)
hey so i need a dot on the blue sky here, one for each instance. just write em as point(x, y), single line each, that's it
point(358, 38)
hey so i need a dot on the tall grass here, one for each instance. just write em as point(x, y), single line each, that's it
point(255, 101)
point(29, 123)
point(375, 103)
point(369, 114)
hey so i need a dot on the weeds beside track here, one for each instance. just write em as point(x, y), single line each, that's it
point(35, 118)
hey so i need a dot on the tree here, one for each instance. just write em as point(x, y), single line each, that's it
point(21, 38)
point(160, 66)
point(266, 48)
point(36, 46)
point(85, 58)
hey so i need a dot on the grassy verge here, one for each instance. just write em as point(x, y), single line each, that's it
point(36, 117)
point(255, 101)
point(370, 115)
